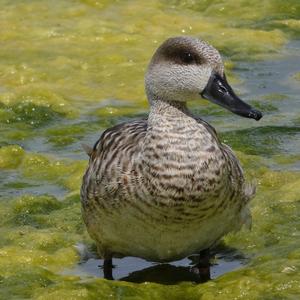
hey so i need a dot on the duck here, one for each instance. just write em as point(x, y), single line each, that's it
point(165, 187)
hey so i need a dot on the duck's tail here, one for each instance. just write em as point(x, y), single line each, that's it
point(88, 149)
point(249, 193)
point(249, 190)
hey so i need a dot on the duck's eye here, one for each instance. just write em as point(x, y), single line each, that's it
point(187, 58)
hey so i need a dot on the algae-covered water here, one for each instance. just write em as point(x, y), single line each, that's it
point(69, 69)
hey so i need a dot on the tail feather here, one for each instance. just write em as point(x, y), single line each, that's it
point(249, 191)
point(88, 149)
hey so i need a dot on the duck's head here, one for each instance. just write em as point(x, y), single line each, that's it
point(185, 68)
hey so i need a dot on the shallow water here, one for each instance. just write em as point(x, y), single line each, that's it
point(70, 69)
point(133, 269)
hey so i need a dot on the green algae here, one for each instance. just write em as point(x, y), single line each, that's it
point(64, 172)
point(51, 229)
point(287, 159)
point(274, 96)
point(11, 156)
point(267, 140)
point(60, 63)
point(297, 76)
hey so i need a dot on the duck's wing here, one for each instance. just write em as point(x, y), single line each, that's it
point(113, 159)
point(208, 127)
point(123, 136)
point(247, 189)
point(243, 190)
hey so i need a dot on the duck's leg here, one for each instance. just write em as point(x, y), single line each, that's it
point(202, 268)
point(107, 268)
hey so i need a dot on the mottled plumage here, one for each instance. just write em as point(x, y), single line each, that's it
point(165, 187)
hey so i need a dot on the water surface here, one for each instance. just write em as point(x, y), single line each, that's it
point(70, 69)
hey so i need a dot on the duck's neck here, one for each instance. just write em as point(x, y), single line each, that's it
point(167, 111)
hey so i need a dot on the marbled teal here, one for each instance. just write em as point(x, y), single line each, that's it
point(165, 187)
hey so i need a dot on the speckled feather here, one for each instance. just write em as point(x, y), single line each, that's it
point(163, 187)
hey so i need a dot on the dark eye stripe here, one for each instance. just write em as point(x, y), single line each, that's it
point(187, 58)
point(182, 55)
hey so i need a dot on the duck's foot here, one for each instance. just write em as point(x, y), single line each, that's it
point(202, 268)
point(107, 268)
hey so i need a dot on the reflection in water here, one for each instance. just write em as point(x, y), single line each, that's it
point(164, 274)
point(133, 269)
